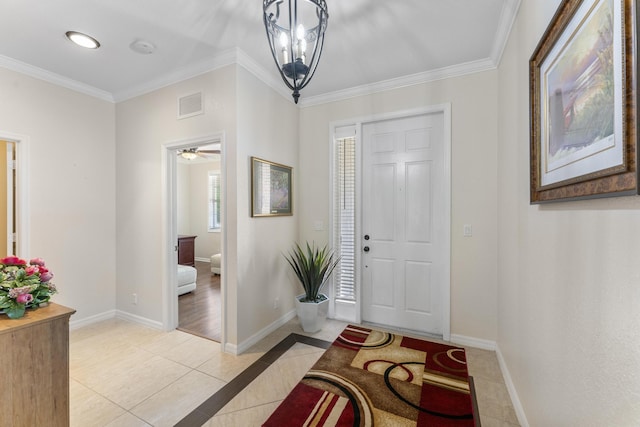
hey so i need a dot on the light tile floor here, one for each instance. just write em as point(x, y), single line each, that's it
point(126, 375)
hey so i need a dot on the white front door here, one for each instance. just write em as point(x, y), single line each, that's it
point(404, 240)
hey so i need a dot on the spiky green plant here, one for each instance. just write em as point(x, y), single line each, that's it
point(313, 267)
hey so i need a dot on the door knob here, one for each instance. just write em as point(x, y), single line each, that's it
point(366, 237)
point(366, 249)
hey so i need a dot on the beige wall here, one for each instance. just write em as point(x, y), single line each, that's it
point(267, 128)
point(145, 123)
point(256, 121)
point(71, 186)
point(568, 275)
point(474, 164)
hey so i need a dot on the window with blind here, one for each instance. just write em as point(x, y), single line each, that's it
point(345, 217)
point(214, 201)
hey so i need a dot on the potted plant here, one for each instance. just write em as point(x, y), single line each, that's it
point(24, 285)
point(312, 266)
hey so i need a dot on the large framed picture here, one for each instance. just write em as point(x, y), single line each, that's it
point(271, 188)
point(583, 103)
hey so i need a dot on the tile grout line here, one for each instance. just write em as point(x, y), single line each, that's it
point(218, 400)
point(130, 411)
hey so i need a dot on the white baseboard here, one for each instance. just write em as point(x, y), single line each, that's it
point(517, 405)
point(229, 348)
point(203, 259)
point(111, 314)
point(473, 342)
point(77, 324)
point(138, 319)
point(493, 346)
point(254, 339)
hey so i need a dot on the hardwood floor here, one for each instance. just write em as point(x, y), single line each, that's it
point(199, 310)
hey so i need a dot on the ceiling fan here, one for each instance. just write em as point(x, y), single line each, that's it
point(192, 153)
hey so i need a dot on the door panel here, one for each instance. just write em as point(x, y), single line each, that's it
point(403, 271)
point(382, 294)
point(418, 286)
point(418, 201)
point(383, 178)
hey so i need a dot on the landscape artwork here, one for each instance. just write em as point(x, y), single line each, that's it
point(581, 93)
point(270, 188)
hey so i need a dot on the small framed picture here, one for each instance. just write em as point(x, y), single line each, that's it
point(271, 188)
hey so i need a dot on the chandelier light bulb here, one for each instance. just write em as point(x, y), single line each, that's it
point(300, 32)
point(284, 40)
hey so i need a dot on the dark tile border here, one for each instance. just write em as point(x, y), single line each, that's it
point(212, 405)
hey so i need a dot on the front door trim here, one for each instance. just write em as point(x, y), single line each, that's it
point(445, 109)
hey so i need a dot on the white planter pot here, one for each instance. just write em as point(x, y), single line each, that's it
point(312, 315)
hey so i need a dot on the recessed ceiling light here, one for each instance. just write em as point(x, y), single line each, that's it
point(82, 40)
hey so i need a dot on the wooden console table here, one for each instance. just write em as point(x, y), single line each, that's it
point(186, 250)
point(35, 366)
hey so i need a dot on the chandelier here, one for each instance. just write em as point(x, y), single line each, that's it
point(295, 29)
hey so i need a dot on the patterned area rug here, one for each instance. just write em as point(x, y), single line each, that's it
point(373, 378)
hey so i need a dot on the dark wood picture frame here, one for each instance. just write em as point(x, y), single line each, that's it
point(271, 188)
point(568, 163)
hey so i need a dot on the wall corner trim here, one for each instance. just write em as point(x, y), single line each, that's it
point(511, 388)
point(473, 342)
point(257, 337)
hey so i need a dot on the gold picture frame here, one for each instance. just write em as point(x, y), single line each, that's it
point(271, 188)
point(583, 103)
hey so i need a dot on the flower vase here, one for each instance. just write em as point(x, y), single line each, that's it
point(15, 312)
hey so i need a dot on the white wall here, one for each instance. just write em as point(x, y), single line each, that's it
point(144, 123)
point(236, 103)
point(568, 275)
point(267, 128)
point(474, 163)
point(71, 186)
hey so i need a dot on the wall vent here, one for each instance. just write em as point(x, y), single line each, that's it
point(190, 105)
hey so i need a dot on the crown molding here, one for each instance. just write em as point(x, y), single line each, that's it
point(57, 79)
point(263, 75)
point(228, 57)
point(400, 82)
point(507, 18)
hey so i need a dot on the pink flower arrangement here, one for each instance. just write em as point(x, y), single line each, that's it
point(24, 284)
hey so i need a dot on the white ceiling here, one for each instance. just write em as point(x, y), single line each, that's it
point(368, 42)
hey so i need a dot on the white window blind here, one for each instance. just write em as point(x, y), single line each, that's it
point(345, 218)
point(214, 201)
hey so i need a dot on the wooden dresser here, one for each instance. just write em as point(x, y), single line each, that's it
point(34, 355)
point(186, 250)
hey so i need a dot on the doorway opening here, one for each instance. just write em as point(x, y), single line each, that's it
point(198, 208)
point(14, 239)
point(194, 230)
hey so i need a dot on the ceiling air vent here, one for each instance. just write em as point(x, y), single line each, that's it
point(190, 105)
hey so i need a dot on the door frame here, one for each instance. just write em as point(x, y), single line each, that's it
point(22, 216)
point(170, 227)
point(445, 109)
